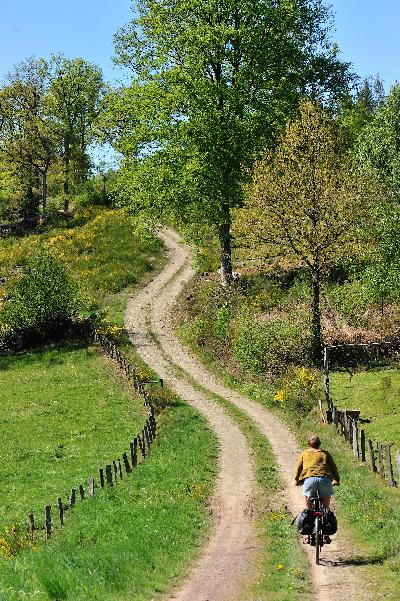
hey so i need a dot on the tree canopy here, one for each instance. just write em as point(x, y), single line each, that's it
point(306, 201)
point(212, 83)
point(47, 112)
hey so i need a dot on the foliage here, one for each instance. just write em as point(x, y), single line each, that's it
point(307, 201)
point(299, 391)
point(378, 146)
point(43, 300)
point(47, 113)
point(209, 87)
point(357, 110)
point(263, 346)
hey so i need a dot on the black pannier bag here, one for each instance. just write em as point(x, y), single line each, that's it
point(329, 522)
point(305, 522)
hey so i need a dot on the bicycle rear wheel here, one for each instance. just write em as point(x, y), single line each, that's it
point(317, 530)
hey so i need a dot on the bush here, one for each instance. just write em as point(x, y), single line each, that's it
point(43, 301)
point(262, 346)
point(299, 391)
point(350, 302)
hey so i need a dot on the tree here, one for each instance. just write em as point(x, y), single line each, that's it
point(27, 137)
point(379, 143)
point(306, 201)
point(74, 100)
point(47, 113)
point(212, 82)
point(358, 109)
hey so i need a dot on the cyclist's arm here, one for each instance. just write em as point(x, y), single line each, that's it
point(334, 469)
point(298, 470)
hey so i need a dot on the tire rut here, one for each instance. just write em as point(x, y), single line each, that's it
point(224, 564)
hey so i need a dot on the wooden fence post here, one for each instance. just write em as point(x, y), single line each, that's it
point(109, 475)
point(371, 455)
point(60, 508)
point(133, 447)
point(47, 521)
point(147, 437)
point(101, 474)
point(119, 469)
point(362, 445)
point(350, 430)
point(356, 451)
point(389, 468)
point(326, 379)
point(72, 498)
point(398, 465)
point(141, 445)
point(31, 525)
point(125, 459)
point(91, 486)
point(381, 467)
point(115, 470)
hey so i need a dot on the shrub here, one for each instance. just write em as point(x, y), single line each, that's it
point(43, 300)
point(350, 301)
point(262, 346)
point(299, 391)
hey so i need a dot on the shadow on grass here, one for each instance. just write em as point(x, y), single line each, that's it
point(357, 560)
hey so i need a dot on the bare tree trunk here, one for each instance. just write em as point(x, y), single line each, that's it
point(316, 316)
point(44, 189)
point(225, 247)
point(66, 176)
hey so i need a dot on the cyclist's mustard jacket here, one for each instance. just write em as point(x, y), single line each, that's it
point(315, 463)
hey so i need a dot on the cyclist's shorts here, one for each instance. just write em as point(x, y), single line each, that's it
point(316, 484)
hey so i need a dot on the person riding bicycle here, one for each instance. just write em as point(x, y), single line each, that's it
point(316, 470)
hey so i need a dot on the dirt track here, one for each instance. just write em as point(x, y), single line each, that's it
point(221, 572)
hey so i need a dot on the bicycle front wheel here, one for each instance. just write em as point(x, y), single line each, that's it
point(317, 530)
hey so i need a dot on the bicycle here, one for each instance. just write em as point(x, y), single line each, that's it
point(317, 537)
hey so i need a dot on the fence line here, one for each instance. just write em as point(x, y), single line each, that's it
point(348, 422)
point(111, 473)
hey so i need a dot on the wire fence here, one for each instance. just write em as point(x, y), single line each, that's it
point(110, 474)
point(380, 457)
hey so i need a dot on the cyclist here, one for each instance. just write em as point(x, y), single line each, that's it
point(316, 470)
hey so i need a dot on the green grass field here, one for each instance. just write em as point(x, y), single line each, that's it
point(376, 393)
point(64, 415)
point(134, 541)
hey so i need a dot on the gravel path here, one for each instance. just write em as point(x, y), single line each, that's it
point(221, 572)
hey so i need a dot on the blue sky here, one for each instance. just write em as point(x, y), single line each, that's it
point(366, 31)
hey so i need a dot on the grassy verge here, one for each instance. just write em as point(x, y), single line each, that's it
point(368, 510)
point(133, 541)
point(282, 567)
point(376, 393)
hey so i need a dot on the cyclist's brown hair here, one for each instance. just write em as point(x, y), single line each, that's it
point(314, 442)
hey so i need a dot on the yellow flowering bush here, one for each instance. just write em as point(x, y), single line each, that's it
point(299, 390)
point(113, 332)
point(13, 540)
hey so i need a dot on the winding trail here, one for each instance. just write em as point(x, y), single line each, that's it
point(220, 573)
